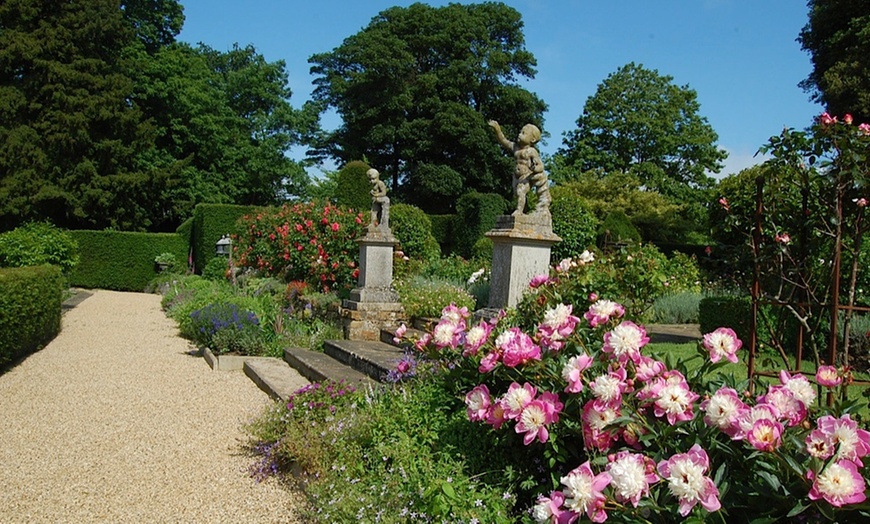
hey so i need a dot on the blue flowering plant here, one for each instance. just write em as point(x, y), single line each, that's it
point(227, 328)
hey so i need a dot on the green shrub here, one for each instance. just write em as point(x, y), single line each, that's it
point(482, 249)
point(121, 260)
point(210, 223)
point(216, 269)
point(38, 243)
point(353, 187)
point(617, 228)
point(442, 230)
point(476, 213)
point(731, 311)
point(572, 222)
point(425, 298)
point(30, 299)
point(412, 227)
point(677, 308)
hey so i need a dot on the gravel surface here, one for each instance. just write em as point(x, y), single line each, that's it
point(116, 421)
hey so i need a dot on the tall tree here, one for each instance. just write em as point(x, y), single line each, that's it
point(69, 136)
point(415, 88)
point(640, 122)
point(837, 37)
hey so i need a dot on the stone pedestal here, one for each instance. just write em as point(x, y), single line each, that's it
point(373, 304)
point(520, 251)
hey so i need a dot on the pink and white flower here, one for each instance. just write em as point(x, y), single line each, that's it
point(538, 281)
point(595, 422)
point(549, 509)
point(584, 492)
point(447, 334)
point(573, 370)
point(786, 405)
point(475, 338)
point(685, 474)
point(586, 257)
point(674, 399)
point(825, 119)
point(608, 389)
point(722, 343)
point(800, 387)
point(455, 315)
point(748, 417)
point(828, 376)
point(864, 128)
point(646, 368)
point(517, 398)
point(537, 415)
point(852, 442)
point(400, 333)
point(765, 435)
point(565, 265)
point(489, 362)
point(478, 402)
point(517, 348)
point(558, 325)
point(601, 312)
point(839, 484)
point(625, 341)
point(631, 476)
point(723, 409)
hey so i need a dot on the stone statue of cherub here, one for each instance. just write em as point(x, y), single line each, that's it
point(380, 201)
point(529, 168)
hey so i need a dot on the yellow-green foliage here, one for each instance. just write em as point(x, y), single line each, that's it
point(122, 260)
point(30, 300)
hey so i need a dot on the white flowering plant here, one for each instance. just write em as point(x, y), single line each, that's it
point(629, 438)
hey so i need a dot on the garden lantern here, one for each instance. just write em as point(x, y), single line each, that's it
point(224, 246)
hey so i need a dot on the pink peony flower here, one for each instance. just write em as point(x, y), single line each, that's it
point(799, 386)
point(517, 348)
point(447, 334)
point(765, 435)
point(685, 474)
point(489, 362)
point(558, 325)
point(786, 405)
point(549, 509)
point(584, 492)
point(478, 402)
point(565, 265)
point(421, 344)
point(475, 338)
point(455, 315)
point(538, 281)
point(601, 311)
point(496, 416)
point(828, 376)
point(573, 370)
point(723, 409)
point(625, 341)
point(646, 368)
point(839, 484)
point(820, 444)
point(400, 333)
point(631, 476)
point(852, 443)
point(537, 415)
point(608, 389)
point(517, 398)
point(596, 435)
point(586, 257)
point(722, 343)
point(674, 400)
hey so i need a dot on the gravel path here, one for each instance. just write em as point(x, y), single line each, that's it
point(115, 421)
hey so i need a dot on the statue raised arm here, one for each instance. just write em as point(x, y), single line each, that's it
point(529, 167)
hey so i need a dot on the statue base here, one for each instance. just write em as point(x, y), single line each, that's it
point(520, 251)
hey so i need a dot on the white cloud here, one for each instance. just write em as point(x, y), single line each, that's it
point(738, 161)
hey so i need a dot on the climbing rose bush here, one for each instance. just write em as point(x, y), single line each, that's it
point(311, 242)
point(629, 438)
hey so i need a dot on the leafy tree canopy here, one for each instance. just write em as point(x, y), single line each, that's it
point(639, 122)
point(837, 37)
point(415, 88)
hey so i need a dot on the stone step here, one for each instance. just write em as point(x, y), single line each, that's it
point(319, 367)
point(274, 376)
point(387, 335)
point(375, 359)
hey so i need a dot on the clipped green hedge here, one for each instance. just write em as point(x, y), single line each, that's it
point(729, 311)
point(442, 230)
point(353, 188)
point(210, 223)
point(30, 300)
point(121, 260)
point(476, 213)
point(414, 230)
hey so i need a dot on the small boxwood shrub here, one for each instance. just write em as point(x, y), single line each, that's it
point(414, 230)
point(122, 260)
point(30, 299)
point(38, 243)
point(573, 223)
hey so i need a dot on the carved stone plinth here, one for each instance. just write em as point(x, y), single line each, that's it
point(373, 304)
point(520, 251)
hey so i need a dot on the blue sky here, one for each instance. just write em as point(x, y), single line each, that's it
point(740, 56)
